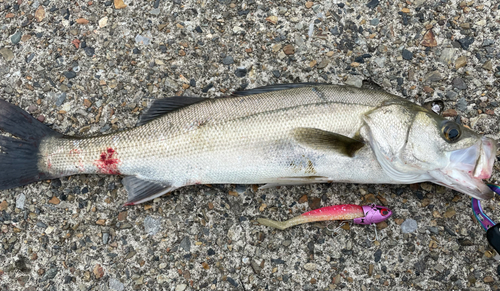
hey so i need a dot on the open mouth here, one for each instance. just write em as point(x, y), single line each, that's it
point(467, 169)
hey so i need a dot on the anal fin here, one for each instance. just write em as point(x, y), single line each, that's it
point(140, 190)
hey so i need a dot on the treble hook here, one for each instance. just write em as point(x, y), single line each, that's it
point(376, 235)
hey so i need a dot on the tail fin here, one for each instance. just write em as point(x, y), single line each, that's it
point(20, 138)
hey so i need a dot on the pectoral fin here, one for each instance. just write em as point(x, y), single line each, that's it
point(324, 140)
point(140, 190)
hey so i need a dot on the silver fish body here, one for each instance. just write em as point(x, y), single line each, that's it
point(301, 134)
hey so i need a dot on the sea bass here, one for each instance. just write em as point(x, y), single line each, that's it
point(286, 134)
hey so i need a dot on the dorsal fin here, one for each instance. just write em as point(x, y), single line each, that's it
point(271, 88)
point(166, 105)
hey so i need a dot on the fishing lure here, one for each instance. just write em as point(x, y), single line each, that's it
point(368, 214)
point(492, 229)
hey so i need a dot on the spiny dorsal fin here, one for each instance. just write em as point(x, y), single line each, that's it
point(166, 105)
point(140, 190)
point(272, 88)
point(325, 140)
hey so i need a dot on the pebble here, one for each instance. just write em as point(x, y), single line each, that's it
point(105, 237)
point(69, 74)
point(462, 104)
point(151, 225)
point(354, 81)
point(409, 226)
point(460, 62)
point(375, 21)
point(180, 287)
point(16, 37)
point(228, 60)
point(372, 4)
point(488, 42)
point(429, 40)
point(185, 244)
point(276, 73)
point(433, 76)
point(310, 266)
point(459, 83)
point(451, 95)
point(116, 285)
point(142, 39)
point(20, 201)
point(447, 56)
point(7, 54)
point(89, 51)
point(60, 100)
point(289, 49)
point(377, 255)
point(240, 72)
point(103, 22)
point(155, 11)
point(466, 42)
point(407, 55)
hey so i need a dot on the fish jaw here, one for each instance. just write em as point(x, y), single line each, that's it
point(467, 168)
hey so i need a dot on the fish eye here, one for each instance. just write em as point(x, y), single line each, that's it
point(451, 131)
point(383, 211)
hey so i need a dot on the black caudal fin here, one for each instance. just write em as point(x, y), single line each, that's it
point(20, 137)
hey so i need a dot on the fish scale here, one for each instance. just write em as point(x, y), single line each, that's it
point(225, 140)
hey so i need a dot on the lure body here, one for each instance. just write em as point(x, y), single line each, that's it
point(367, 214)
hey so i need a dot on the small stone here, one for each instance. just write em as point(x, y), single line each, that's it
point(462, 104)
point(122, 215)
point(240, 72)
point(7, 54)
point(488, 65)
point(372, 4)
point(20, 201)
point(488, 279)
point(54, 200)
point(309, 4)
point(465, 242)
point(272, 19)
point(40, 13)
point(375, 21)
point(450, 212)
point(119, 4)
point(433, 76)
point(466, 42)
point(315, 203)
point(116, 285)
point(323, 64)
point(105, 238)
point(155, 11)
point(185, 244)
point(377, 255)
point(276, 73)
point(313, 63)
point(69, 74)
point(354, 81)
point(98, 271)
point(3, 205)
point(310, 266)
point(428, 89)
point(409, 226)
point(429, 39)
point(369, 199)
point(488, 42)
point(82, 21)
point(151, 225)
point(289, 49)
point(180, 287)
point(451, 95)
point(142, 39)
point(459, 83)
point(16, 37)
point(407, 55)
point(447, 55)
point(450, 113)
point(103, 22)
point(303, 199)
point(460, 62)
point(228, 60)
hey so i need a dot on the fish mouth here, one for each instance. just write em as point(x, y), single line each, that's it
point(468, 168)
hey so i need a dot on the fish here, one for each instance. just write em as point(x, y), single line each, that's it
point(366, 214)
point(285, 134)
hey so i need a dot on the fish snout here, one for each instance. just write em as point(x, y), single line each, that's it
point(373, 214)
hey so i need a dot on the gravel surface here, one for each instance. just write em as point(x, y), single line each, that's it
point(91, 67)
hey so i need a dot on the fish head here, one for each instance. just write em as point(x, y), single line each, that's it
point(413, 145)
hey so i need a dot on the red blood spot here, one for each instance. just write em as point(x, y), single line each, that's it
point(107, 164)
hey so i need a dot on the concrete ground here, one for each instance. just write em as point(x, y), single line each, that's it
point(91, 67)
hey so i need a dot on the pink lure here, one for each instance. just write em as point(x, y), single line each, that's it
point(367, 214)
